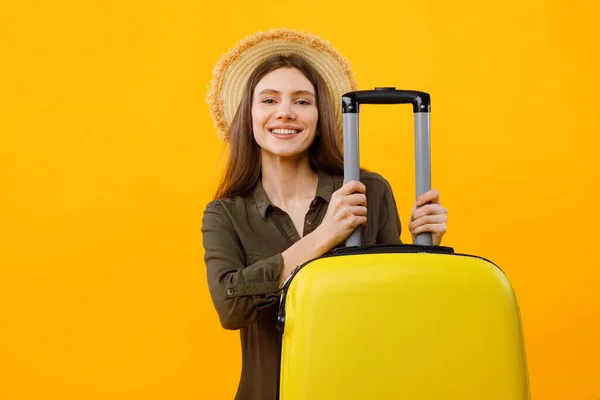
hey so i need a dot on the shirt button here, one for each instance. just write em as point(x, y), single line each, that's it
point(229, 292)
point(309, 221)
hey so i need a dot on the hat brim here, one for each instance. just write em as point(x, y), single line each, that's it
point(232, 71)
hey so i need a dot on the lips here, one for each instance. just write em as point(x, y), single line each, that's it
point(281, 131)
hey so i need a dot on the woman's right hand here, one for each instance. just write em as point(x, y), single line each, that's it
point(346, 211)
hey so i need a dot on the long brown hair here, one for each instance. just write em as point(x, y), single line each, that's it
point(243, 167)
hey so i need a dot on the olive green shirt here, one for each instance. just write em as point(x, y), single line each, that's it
point(244, 238)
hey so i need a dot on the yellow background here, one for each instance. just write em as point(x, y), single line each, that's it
point(108, 156)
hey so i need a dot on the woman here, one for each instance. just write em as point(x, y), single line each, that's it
point(282, 200)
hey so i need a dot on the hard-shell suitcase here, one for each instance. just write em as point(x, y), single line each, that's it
point(408, 322)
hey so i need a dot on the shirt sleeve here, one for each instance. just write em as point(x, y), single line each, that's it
point(390, 227)
point(239, 291)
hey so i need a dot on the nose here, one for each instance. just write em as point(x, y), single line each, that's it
point(285, 111)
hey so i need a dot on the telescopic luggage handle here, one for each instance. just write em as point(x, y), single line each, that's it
point(421, 102)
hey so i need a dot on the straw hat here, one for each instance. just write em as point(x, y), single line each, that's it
point(232, 71)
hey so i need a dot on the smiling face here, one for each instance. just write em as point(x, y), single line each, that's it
point(284, 113)
point(280, 93)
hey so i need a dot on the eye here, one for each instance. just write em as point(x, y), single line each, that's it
point(303, 102)
point(268, 101)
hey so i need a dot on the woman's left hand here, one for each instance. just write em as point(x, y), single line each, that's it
point(430, 217)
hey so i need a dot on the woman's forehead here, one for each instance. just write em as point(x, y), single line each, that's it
point(285, 80)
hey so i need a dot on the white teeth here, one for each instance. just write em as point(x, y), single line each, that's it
point(284, 131)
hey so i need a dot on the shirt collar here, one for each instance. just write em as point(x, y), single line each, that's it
point(325, 187)
point(260, 198)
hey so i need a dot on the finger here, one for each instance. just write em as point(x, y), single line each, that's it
point(352, 187)
point(435, 229)
point(428, 219)
point(358, 211)
point(356, 199)
point(429, 209)
point(360, 220)
point(431, 196)
point(352, 221)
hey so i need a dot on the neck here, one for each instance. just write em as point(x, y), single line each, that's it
point(288, 181)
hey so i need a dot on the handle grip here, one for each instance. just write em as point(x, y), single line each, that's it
point(421, 107)
point(421, 101)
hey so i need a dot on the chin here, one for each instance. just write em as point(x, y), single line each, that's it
point(287, 153)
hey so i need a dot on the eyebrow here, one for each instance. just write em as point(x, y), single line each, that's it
point(303, 92)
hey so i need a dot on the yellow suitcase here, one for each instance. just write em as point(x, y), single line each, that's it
point(414, 322)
